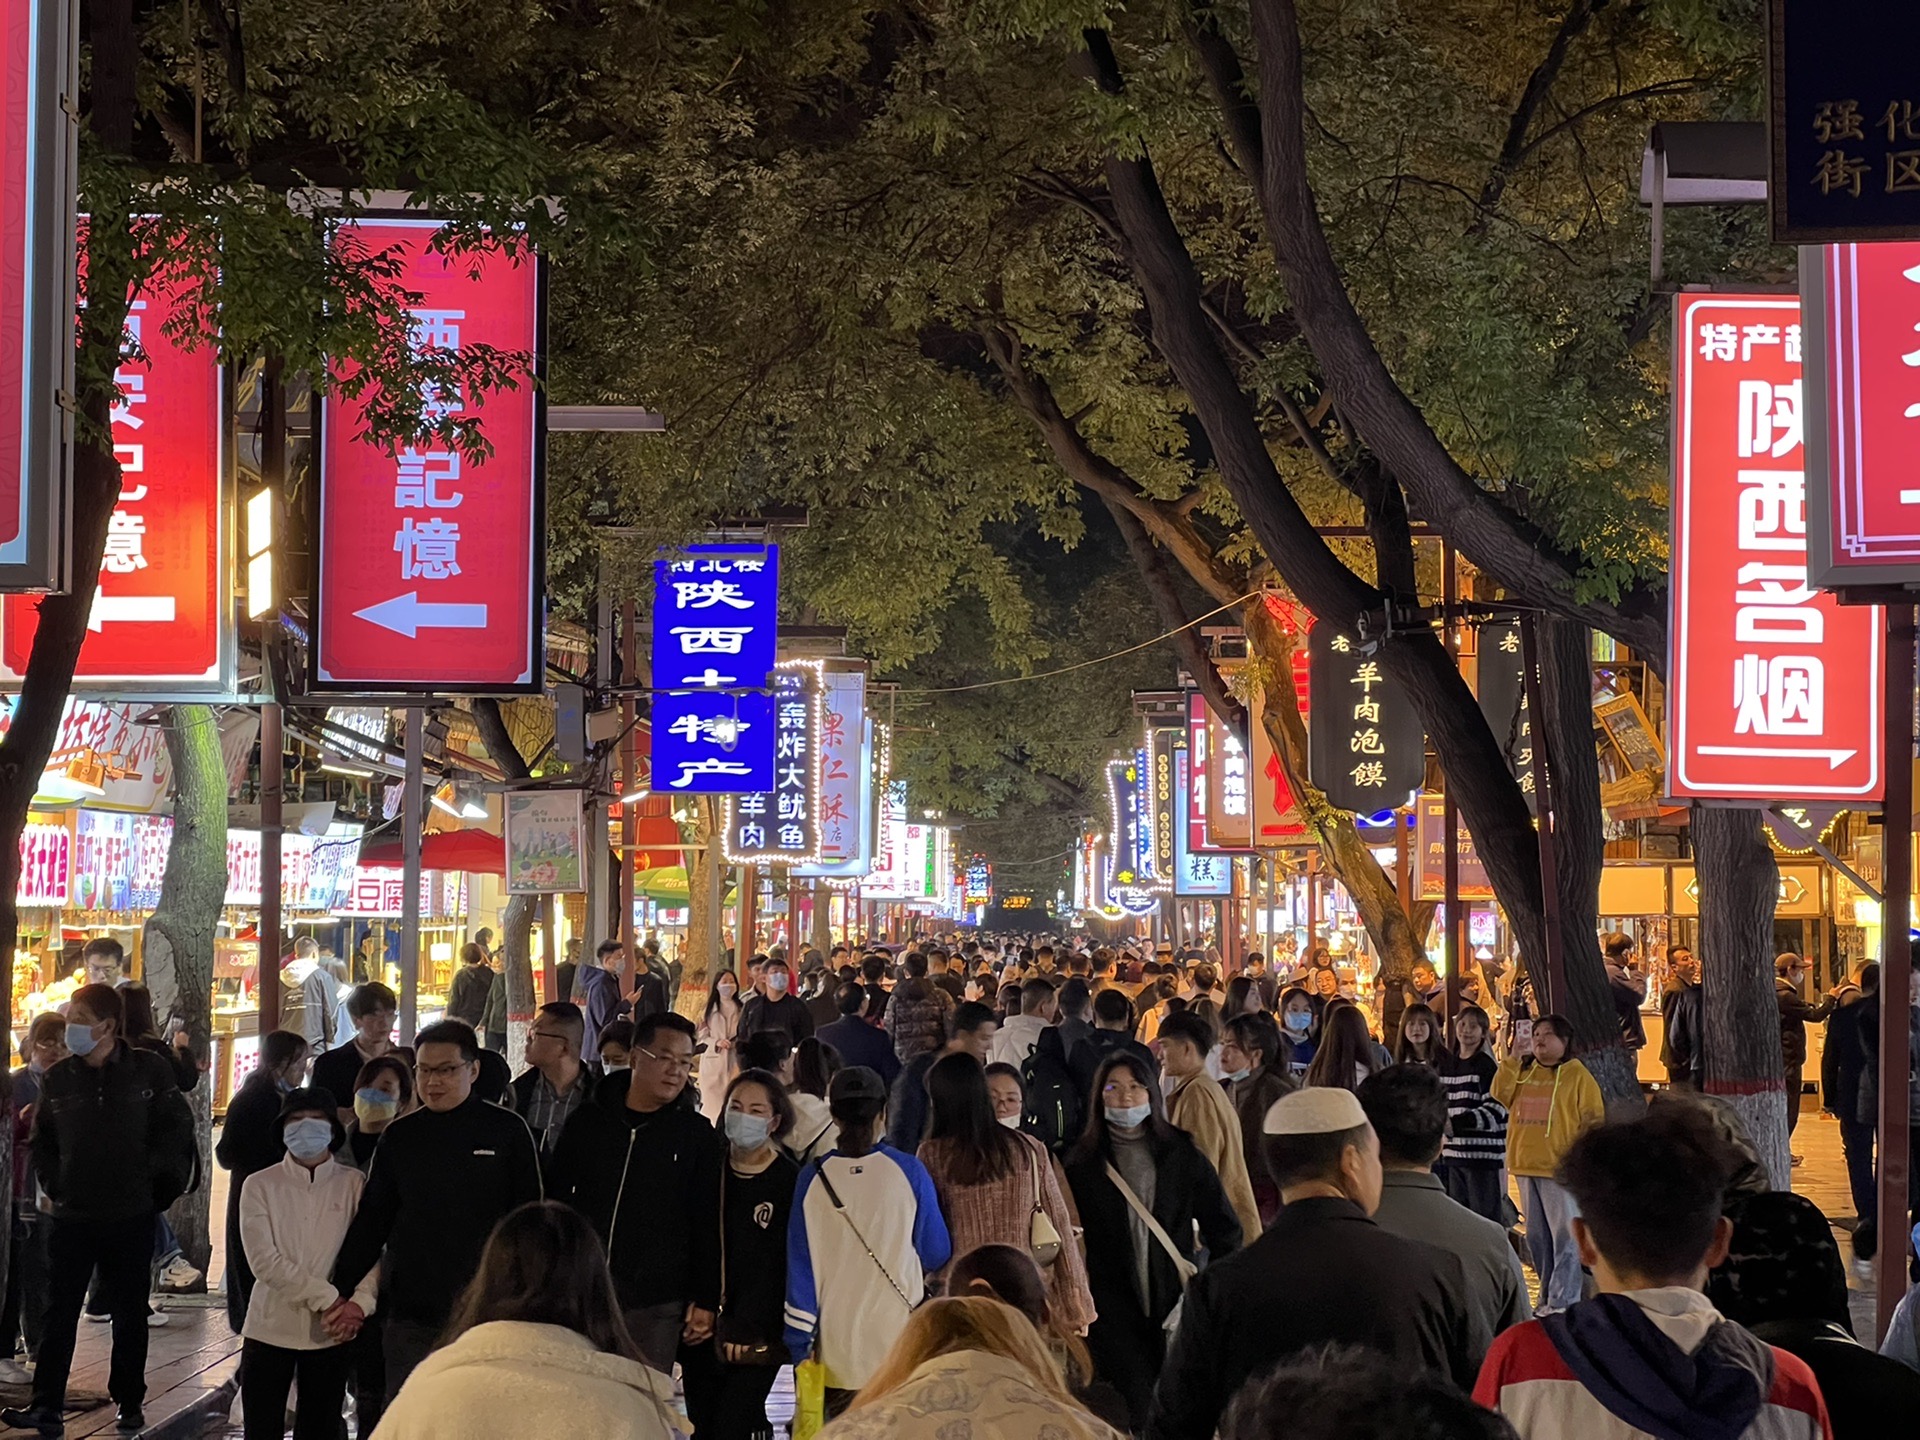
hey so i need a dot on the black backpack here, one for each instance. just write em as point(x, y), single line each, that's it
point(1055, 1109)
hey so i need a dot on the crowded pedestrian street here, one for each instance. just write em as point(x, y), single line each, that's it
point(1190, 720)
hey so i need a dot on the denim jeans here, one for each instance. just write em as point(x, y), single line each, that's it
point(1550, 1213)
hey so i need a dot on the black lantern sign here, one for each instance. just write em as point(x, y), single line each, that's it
point(1503, 700)
point(1365, 748)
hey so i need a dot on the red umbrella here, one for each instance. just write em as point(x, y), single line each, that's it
point(472, 850)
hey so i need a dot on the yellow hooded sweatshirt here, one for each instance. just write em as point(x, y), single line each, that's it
point(1547, 1108)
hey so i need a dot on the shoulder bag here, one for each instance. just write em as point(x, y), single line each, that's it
point(1043, 1238)
point(1182, 1267)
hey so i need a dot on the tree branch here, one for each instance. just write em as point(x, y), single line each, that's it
point(1514, 149)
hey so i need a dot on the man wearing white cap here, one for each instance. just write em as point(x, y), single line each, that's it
point(1322, 1274)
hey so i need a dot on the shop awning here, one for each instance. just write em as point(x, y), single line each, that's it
point(474, 851)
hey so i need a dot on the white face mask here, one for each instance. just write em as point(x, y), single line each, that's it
point(1012, 1122)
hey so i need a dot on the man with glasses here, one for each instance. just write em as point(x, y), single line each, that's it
point(556, 1083)
point(442, 1176)
point(643, 1165)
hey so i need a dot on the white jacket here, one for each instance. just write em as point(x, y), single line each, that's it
point(1015, 1040)
point(510, 1380)
point(292, 1221)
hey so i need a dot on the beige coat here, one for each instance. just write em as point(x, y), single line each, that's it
point(973, 1394)
point(509, 1380)
point(1201, 1108)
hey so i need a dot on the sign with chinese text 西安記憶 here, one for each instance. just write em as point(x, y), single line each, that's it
point(1773, 688)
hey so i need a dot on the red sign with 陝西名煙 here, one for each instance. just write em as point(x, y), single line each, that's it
point(1863, 413)
point(429, 559)
point(160, 618)
point(1774, 688)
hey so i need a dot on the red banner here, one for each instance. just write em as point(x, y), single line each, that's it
point(429, 560)
point(1863, 426)
point(161, 612)
point(1774, 689)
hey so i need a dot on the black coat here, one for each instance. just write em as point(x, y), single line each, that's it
point(1084, 1060)
point(1862, 1389)
point(1322, 1274)
point(250, 1136)
point(1795, 1015)
point(788, 1013)
point(1680, 1044)
point(438, 1183)
point(468, 1001)
point(1843, 1059)
point(858, 1043)
point(649, 1184)
point(112, 1141)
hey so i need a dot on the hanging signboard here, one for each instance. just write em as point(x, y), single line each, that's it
point(1430, 834)
point(36, 292)
point(1844, 120)
point(1862, 304)
point(1365, 747)
point(105, 755)
point(1129, 826)
point(1229, 809)
point(978, 881)
point(1501, 686)
point(546, 841)
point(1163, 815)
point(431, 568)
point(781, 825)
point(1195, 873)
point(162, 620)
point(845, 779)
point(1774, 688)
point(889, 876)
point(1276, 812)
point(715, 629)
point(46, 864)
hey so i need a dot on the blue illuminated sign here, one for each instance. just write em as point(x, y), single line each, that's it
point(715, 630)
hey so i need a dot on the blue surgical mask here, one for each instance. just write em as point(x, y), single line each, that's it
point(81, 1039)
point(1233, 1075)
point(1129, 1117)
point(309, 1138)
point(747, 1132)
point(1301, 1020)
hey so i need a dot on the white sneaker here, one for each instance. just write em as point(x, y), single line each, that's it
point(157, 1320)
point(12, 1372)
point(93, 1319)
point(179, 1274)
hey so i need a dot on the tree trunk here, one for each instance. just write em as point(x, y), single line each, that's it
point(701, 959)
point(1739, 887)
point(177, 943)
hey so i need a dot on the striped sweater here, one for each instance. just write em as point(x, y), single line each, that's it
point(1476, 1122)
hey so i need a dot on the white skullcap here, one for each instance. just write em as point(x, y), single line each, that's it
point(1316, 1110)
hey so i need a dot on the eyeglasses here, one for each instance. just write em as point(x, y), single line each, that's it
point(670, 1062)
point(439, 1072)
point(544, 1035)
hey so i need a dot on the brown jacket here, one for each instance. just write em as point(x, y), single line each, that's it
point(1200, 1107)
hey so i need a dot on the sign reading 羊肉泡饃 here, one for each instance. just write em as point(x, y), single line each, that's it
point(1365, 746)
point(1195, 873)
point(431, 568)
point(1844, 120)
point(715, 630)
point(781, 824)
point(1501, 688)
point(1773, 687)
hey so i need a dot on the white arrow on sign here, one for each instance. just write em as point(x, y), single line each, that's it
point(408, 614)
point(149, 608)
point(1834, 758)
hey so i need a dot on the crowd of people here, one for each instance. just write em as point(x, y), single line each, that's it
point(1042, 1188)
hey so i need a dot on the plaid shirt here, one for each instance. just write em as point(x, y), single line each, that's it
point(548, 1109)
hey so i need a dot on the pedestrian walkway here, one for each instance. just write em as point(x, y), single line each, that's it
point(190, 1373)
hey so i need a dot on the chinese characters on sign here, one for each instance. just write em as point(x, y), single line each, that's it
point(1365, 747)
point(1430, 832)
point(1845, 153)
point(715, 628)
point(781, 824)
point(1194, 872)
point(1502, 692)
point(1229, 802)
point(1862, 305)
point(161, 616)
point(846, 765)
point(978, 881)
point(1163, 815)
point(546, 841)
point(429, 574)
point(1774, 688)
point(1276, 814)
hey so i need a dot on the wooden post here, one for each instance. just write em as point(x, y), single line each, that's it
point(1890, 1265)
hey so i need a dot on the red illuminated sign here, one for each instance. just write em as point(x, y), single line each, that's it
point(36, 293)
point(1863, 413)
point(430, 561)
point(161, 616)
point(1774, 688)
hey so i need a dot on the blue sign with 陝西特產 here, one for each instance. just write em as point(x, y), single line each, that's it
point(1845, 120)
point(715, 630)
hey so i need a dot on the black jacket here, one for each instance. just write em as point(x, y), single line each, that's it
point(907, 1105)
point(858, 1043)
point(1186, 1189)
point(1862, 1389)
point(1628, 994)
point(435, 1188)
point(649, 996)
point(649, 1183)
point(113, 1141)
point(1680, 1044)
point(1084, 1060)
point(468, 1002)
point(788, 1013)
point(1322, 1274)
point(1795, 1015)
point(250, 1136)
point(1843, 1059)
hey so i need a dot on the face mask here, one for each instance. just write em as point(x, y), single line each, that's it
point(1012, 1122)
point(1128, 1117)
point(309, 1138)
point(747, 1132)
point(372, 1107)
point(620, 1070)
point(1238, 1074)
point(728, 989)
point(1301, 1020)
point(776, 984)
point(80, 1039)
